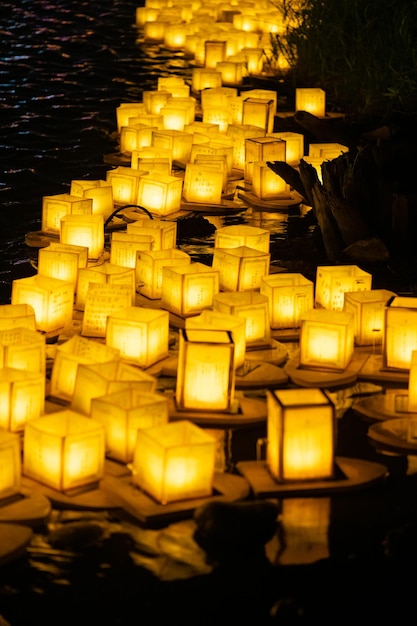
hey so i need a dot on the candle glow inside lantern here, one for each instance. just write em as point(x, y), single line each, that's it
point(140, 334)
point(160, 194)
point(188, 289)
point(64, 450)
point(102, 301)
point(176, 115)
point(400, 334)
point(15, 315)
point(163, 232)
point(51, 299)
point(241, 268)
point(238, 235)
point(368, 308)
point(125, 246)
point(312, 100)
point(262, 149)
point(149, 266)
point(62, 262)
point(23, 349)
point(215, 52)
point(206, 370)
point(107, 273)
point(259, 112)
point(205, 78)
point(125, 411)
point(22, 397)
point(125, 184)
point(333, 281)
point(203, 183)
point(301, 434)
point(266, 184)
point(84, 230)
point(239, 133)
point(99, 379)
point(249, 305)
point(326, 339)
point(232, 71)
point(174, 462)
point(10, 475)
point(99, 191)
point(294, 145)
point(289, 296)
point(54, 208)
point(135, 137)
point(178, 142)
point(127, 110)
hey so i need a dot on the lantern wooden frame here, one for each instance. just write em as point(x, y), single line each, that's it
point(400, 333)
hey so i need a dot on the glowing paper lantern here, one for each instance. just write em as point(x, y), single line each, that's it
point(102, 301)
point(238, 134)
point(215, 52)
point(107, 273)
point(62, 263)
point(149, 267)
point(176, 114)
point(326, 339)
point(326, 151)
point(333, 281)
point(218, 114)
point(84, 230)
point(203, 183)
point(312, 100)
point(238, 235)
point(368, 309)
point(266, 184)
point(160, 194)
point(151, 165)
point(22, 349)
point(250, 305)
point(232, 71)
point(412, 383)
point(51, 299)
point(188, 289)
point(205, 78)
point(289, 296)
point(125, 184)
point(262, 149)
point(400, 335)
point(174, 84)
point(22, 397)
point(99, 379)
point(64, 450)
point(155, 100)
point(163, 232)
point(216, 161)
point(125, 246)
point(259, 112)
point(174, 462)
point(140, 334)
point(217, 96)
point(54, 208)
point(135, 137)
point(241, 268)
point(10, 475)
point(125, 411)
point(126, 110)
point(301, 434)
point(294, 145)
point(15, 315)
point(263, 94)
point(99, 191)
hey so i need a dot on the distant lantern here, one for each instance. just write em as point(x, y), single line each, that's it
point(10, 463)
point(301, 434)
point(106, 273)
point(206, 370)
point(64, 450)
point(15, 315)
point(188, 289)
point(102, 301)
point(149, 267)
point(326, 151)
point(178, 142)
point(205, 78)
point(249, 305)
point(266, 184)
point(294, 145)
point(54, 208)
point(174, 462)
point(22, 397)
point(155, 99)
point(22, 349)
point(400, 338)
point(163, 232)
point(333, 281)
point(134, 137)
point(238, 133)
point(160, 194)
point(242, 235)
point(312, 100)
point(368, 308)
point(127, 110)
point(259, 112)
point(262, 149)
point(125, 411)
point(326, 339)
point(51, 298)
point(125, 184)
point(215, 51)
point(84, 230)
point(241, 268)
point(176, 115)
point(203, 183)
point(232, 71)
point(140, 334)
point(289, 296)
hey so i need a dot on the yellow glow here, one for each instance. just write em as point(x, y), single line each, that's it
point(326, 339)
point(10, 466)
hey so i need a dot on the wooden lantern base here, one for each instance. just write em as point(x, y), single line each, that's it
point(269, 351)
point(285, 202)
point(373, 370)
point(29, 507)
point(316, 378)
point(390, 436)
point(250, 411)
point(384, 406)
point(14, 540)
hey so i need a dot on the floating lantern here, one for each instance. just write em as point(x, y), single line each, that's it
point(289, 296)
point(266, 184)
point(142, 159)
point(125, 184)
point(155, 100)
point(301, 434)
point(123, 413)
point(62, 263)
point(232, 71)
point(400, 334)
point(64, 450)
point(10, 475)
point(163, 232)
point(259, 112)
point(294, 145)
point(205, 78)
point(99, 379)
point(107, 273)
point(160, 194)
point(176, 114)
point(99, 191)
point(412, 383)
point(175, 461)
point(15, 315)
point(22, 349)
point(125, 246)
point(84, 230)
point(135, 137)
point(214, 53)
point(326, 151)
point(54, 208)
point(76, 350)
point(262, 149)
point(103, 300)
point(188, 289)
point(178, 142)
point(216, 161)
point(326, 339)
point(140, 334)
point(239, 133)
point(238, 235)
point(206, 369)
point(51, 299)
point(203, 183)
point(368, 309)
point(217, 96)
point(149, 267)
point(175, 84)
point(127, 110)
point(333, 281)
point(218, 114)
point(250, 305)
point(22, 397)
point(262, 94)
point(312, 100)
point(241, 268)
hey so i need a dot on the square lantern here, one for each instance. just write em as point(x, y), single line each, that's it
point(203, 183)
point(64, 450)
point(259, 112)
point(163, 232)
point(188, 289)
point(10, 475)
point(232, 71)
point(125, 411)
point(61, 263)
point(99, 191)
point(155, 99)
point(134, 137)
point(216, 161)
point(312, 100)
point(209, 319)
point(22, 397)
point(241, 268)
point(149, 266)
point(124, 247)
point(289, 296)
point(98, 379)
point(126, 110)
point(326, 151)
point(266, 184)
point(175, 84)
point(217, 95)
point(160, 194)
point(52, 300)
point(125, 184)
point(174, 462)
point(206, 370)
point(176, 115)
point(262, 149)
point(238, 235)
point(177, 142)
point(301, 434)
point(333, 281)
point(106, 273)
point(103, 300)
point(54, 208)
point(22, 349)
point(400, 335)
point(84, 230)
point(249, 305)
point(263, 94)
point(15, 315)
point(140, 334)
point(217, 114)
point(205, 78)
point(215, 51)
point(294, 145)
point(239, 133)
point(326, 339)
point(69, 355)
point(368, 308)
point(152, 165)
